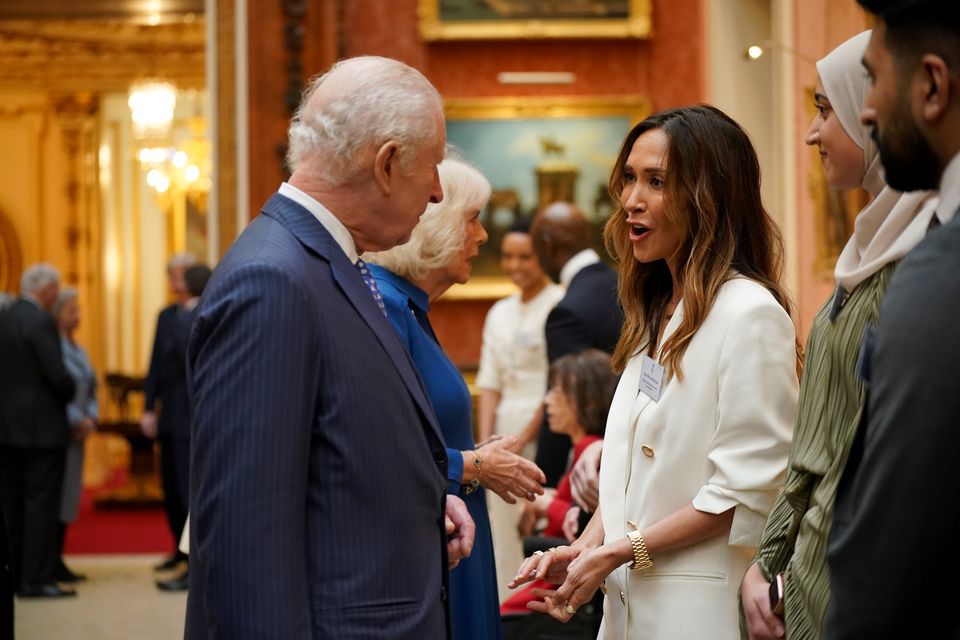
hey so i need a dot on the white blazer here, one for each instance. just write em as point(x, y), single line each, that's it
point(718, 439)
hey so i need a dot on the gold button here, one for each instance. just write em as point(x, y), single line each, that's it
point(623, 597)
point(647, 450)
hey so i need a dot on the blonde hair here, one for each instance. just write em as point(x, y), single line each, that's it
point(442, 230)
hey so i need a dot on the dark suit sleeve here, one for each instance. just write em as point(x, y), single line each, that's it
point(151, 385)
point(566, 334)
point(896, 522)
point(254, 366)
point(44, 341)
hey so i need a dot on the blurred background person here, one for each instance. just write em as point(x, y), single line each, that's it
point(832, 391)
point(441, 252)
point(587, 317)
point(513, 375)
point(34, 432)
point(695, 448)
point(82, 415)
point(169, 422)
point(195, 279)
point(581, 388)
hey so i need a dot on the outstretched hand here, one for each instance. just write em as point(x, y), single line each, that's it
point(507, 474)
point(584, 575)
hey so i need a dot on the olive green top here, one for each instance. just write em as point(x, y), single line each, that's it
point(832, 396)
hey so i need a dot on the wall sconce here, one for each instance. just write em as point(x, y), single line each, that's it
point(757, 50)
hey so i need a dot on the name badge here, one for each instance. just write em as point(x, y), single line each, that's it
point(651, 378)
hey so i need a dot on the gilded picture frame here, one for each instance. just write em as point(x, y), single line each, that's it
point(528, 19)
point(536, 150)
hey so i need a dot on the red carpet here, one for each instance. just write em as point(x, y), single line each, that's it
point(100, 530)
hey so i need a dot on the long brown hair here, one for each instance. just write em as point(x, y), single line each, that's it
point(588, 382)
point(712, 191)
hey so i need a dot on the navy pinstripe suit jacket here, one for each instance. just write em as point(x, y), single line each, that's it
point(318, 469)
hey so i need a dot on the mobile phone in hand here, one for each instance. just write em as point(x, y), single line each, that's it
point(776, 594)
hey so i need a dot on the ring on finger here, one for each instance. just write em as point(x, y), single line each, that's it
point(570, 609)
point(538, 553)
point(553, 550)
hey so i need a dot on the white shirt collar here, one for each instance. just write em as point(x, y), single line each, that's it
point(949, 190)
point(576, 264)
point(326, 218)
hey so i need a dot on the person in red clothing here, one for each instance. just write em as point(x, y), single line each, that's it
point(581, 388)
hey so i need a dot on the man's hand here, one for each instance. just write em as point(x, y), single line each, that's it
point(82, 429)
point(571, 523)
point(762, 623)
point(148, 424)
point(585, 477)
point(508, 474)
point(460, 531)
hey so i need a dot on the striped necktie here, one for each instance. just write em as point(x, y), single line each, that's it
point(371, 283)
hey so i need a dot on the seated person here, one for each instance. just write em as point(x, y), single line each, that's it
point(581, 388)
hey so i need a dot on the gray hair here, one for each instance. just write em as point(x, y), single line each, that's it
point(442, 230)
point(181, 260)
point(66, 295)
point(387, 100)
point(38, 276)
point(6, 300)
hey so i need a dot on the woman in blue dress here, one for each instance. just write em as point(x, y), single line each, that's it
point(440, 253)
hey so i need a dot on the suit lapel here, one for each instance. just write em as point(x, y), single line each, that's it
point(308, 230)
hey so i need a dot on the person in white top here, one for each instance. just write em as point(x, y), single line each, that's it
point(513, 376)
point(700, 425)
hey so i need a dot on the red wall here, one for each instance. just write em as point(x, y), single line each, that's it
point(669, 69)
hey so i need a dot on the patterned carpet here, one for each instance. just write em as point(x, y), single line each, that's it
point(118, 601)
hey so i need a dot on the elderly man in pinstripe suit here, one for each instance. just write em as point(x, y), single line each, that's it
point(317, 489)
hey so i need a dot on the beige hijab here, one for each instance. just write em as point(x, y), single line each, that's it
point(894, 222)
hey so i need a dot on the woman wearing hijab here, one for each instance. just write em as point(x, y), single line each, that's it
point(793, 548)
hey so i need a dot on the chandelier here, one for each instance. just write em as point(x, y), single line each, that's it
point(151, 105)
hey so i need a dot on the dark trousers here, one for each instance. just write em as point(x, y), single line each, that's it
point(175, 476)
point(30, 484)
point(6, 584)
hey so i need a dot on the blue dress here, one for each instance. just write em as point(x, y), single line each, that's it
point(474, 603)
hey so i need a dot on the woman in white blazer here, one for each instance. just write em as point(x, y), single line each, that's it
point(699, 429)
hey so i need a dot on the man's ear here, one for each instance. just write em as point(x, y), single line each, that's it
point(385, 166)
point(936, 85)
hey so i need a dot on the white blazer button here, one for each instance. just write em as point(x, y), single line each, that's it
point(647, 450)
point(623, 597)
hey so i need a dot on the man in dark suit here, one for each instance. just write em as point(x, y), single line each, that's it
point(896, 524)
point(169, 423)
point(34, 432)
point(177, 445)
point(318, 472)
point(588, 316)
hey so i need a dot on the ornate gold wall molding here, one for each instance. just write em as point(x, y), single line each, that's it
point(98, 56)
point(11, 258)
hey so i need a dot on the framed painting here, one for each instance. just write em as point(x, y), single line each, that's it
point(518, 19)
point(535, 151)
